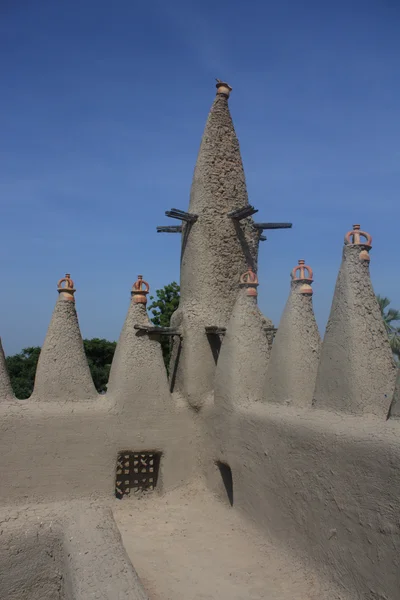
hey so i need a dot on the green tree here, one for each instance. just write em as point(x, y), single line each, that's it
point(99, 353)
point(22, 367)
point(163, 306)
point(391, 317)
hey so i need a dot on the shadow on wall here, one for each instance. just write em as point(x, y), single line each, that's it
point(226, 476)
point(215, 345)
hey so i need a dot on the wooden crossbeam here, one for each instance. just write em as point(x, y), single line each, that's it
point(262, 238)
point(181, 215)
point(273, 225)
point(272, 330)
point(215, 330)
point(159, 330)
point(242, 213)
point(169, 229)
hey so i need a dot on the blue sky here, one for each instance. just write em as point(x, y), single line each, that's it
point(102, 109)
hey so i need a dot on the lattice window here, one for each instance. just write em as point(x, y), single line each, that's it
point(136, 471)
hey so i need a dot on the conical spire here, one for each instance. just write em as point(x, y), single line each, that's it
point(356, 373)
point(6, 392)
point(138, 379)
point(240, 375)
point(62, 371)
point(215, 249)
point(292, 368)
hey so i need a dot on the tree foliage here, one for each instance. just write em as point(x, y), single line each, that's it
point(391, 319)
point(99, 353)
point(22, 367)
point(163, 306)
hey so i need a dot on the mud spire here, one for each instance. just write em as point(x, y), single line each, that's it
point(215, 249)
point(138, 379)
point(292, 368)
point(240, 375)
point(356, 373)
point(62, 371)
point(6, 392)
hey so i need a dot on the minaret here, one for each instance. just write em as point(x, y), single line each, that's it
point(356, 373)
point(6, 392)
point(63, 372)
point(292, 368)
point(215, 250)
point(138, 379)
point(240, 375)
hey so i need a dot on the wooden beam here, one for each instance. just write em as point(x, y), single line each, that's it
point(181, 215)
point(215, 330)
point(159, 330)
point(242, 213)
point(169, 229)
point(273, 225)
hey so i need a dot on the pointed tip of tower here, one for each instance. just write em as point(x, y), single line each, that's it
point(223, 88)
point(6, 392)
point(63, 372)
point(302, 278)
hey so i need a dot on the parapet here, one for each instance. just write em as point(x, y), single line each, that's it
point(356, 373)
point(245, 350)
point(138, 380)
point(292, 368)
point(63, 372)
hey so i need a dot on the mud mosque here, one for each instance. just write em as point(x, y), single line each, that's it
point(266, 467)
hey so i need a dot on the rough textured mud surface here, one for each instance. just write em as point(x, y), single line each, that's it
point(188, 545)
point(68, 551)
point(244, 355)
point(323, 484)
point(292, 368)
point(63, 371)
point(6, 392)
point(215, 251)
point(138, 367)
point(356, 373)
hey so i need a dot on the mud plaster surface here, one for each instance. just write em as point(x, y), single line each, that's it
point(6, 392)
point(64, 551)
point(356, 373)
point(292, 368)
point(215, 251)
point(63, 371)
point(188, 545)
point(244, 355)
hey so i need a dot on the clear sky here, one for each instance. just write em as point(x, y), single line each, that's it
point(102, 108)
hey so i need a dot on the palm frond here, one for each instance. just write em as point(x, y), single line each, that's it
point(392, 315)
point(383, 302)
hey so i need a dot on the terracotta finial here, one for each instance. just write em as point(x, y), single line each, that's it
point(304, 274)
point(354, 238)
point(249, 280)
point(223, 88)
point(140, 289)
point(67, 290)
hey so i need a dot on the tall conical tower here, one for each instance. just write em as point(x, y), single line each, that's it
point(216, 249)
